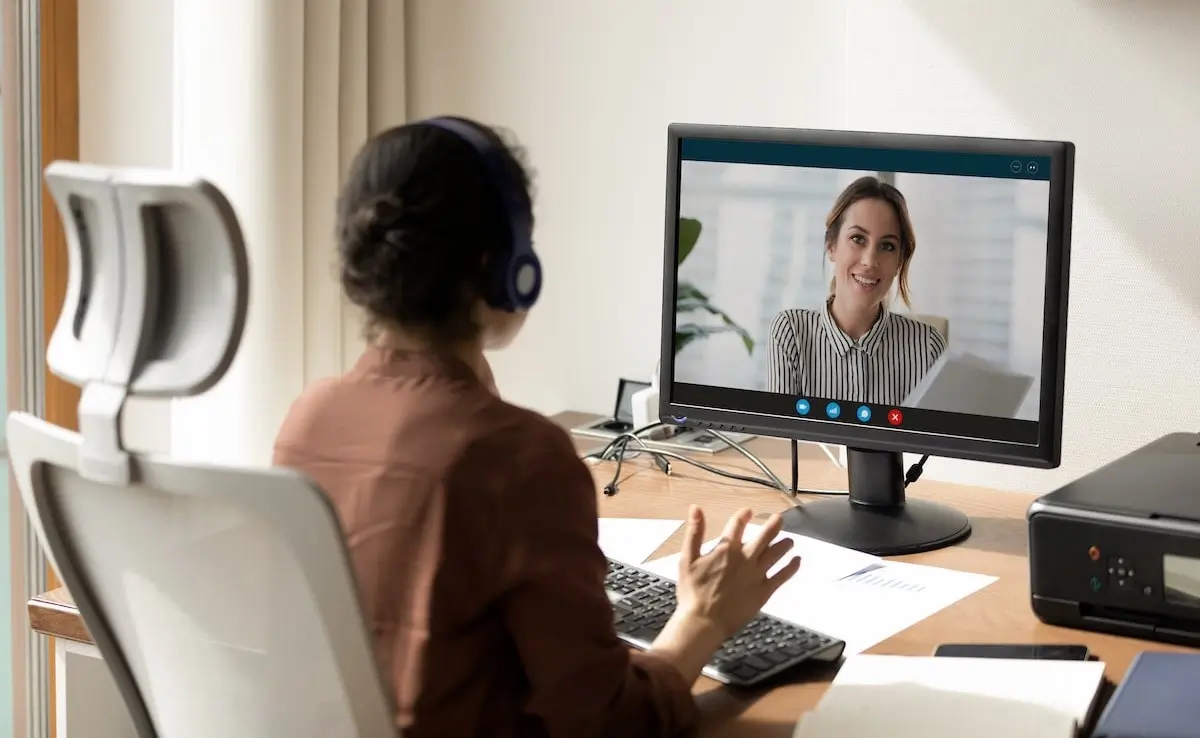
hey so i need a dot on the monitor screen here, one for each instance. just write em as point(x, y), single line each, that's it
point(869, 288)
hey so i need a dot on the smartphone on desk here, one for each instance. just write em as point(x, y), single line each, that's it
point(1044, 652)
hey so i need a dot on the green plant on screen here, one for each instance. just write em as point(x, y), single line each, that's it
point(691, 303)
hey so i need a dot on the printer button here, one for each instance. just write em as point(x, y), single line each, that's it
point(1128, 585)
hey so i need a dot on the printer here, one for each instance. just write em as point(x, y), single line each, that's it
point(1118, 550)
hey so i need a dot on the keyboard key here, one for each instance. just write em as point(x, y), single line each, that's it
point(755, 662)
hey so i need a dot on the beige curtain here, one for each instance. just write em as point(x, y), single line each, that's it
point(272, 98)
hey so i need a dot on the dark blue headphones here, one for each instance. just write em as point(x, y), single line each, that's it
point(515, 278)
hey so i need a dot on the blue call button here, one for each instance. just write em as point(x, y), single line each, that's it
point(802, 407)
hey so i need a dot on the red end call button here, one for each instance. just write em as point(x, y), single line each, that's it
point(1094, 553)
point(895, 417)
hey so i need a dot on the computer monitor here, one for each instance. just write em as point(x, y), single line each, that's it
point(887, 292)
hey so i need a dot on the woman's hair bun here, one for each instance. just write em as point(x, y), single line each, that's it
point(376, 248)
point(375, 220)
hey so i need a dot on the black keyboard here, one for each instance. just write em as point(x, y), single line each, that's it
point(765, 647)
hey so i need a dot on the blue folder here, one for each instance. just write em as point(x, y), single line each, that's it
point(1158, 698)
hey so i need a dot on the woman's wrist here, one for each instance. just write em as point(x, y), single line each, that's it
point(700, 624)
point(689, 641)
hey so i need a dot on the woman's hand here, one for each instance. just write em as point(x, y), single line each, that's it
point(720, 591)
point(727, 586)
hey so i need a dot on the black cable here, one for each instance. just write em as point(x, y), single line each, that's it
point(610, 489)
point(914, 471)
point(795, 468)
point(623, 440)
point(636, 433)
point(618, 449)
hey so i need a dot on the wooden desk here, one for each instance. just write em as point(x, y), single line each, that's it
point(997, 546)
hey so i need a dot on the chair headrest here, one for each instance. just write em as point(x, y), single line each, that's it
point(157, 294)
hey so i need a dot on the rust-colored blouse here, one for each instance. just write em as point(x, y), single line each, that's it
point(472, 527)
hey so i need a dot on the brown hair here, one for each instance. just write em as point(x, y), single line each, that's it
point(872, 188)
point(417, 219)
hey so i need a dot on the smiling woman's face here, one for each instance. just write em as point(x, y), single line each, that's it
point(866, 255)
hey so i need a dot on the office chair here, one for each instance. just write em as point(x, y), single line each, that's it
point(222, 599)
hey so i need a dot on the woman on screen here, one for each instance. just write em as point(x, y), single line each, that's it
point(853, 348)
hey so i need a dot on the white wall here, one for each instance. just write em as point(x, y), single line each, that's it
point(590, 87)
point(125, 117)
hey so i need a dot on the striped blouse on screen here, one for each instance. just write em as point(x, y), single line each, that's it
point(809, 356)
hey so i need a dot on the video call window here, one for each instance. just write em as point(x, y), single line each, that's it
point(865, 293)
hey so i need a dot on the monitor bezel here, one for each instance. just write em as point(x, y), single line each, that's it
point(1046, 454)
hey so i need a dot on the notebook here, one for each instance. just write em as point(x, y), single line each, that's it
point(929, 697)
point(960, 382)
point(1156, 699)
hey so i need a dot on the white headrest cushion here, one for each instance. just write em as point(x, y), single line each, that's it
point(158, 281)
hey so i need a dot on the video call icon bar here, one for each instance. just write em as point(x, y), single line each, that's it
point(863, 413)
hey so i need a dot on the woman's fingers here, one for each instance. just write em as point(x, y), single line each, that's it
point(769, 530)
point(735, 528)
point(779, 578)
point(774, 553)
point(693, 535)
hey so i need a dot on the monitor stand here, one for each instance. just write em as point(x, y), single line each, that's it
point(878, 519)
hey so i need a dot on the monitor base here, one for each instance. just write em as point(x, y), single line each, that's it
point(912, 527)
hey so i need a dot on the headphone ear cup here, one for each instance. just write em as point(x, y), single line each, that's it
point(526, 279)
point(514, 282)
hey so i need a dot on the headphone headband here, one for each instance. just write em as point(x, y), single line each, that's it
point(515, 279)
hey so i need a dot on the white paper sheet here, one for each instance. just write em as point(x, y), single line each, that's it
point(820, 561)
point(857, 598)
point(873, 605)
point(633, 540)
point(942, 697)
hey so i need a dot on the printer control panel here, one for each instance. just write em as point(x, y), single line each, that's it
point(1123, 576)
point(1118, 572)
point(1127, 564)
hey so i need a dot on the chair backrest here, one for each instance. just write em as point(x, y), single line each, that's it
point(939, 323)
point(222, 600)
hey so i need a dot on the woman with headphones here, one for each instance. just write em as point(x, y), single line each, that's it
point(854, 349)
point(472, 523)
